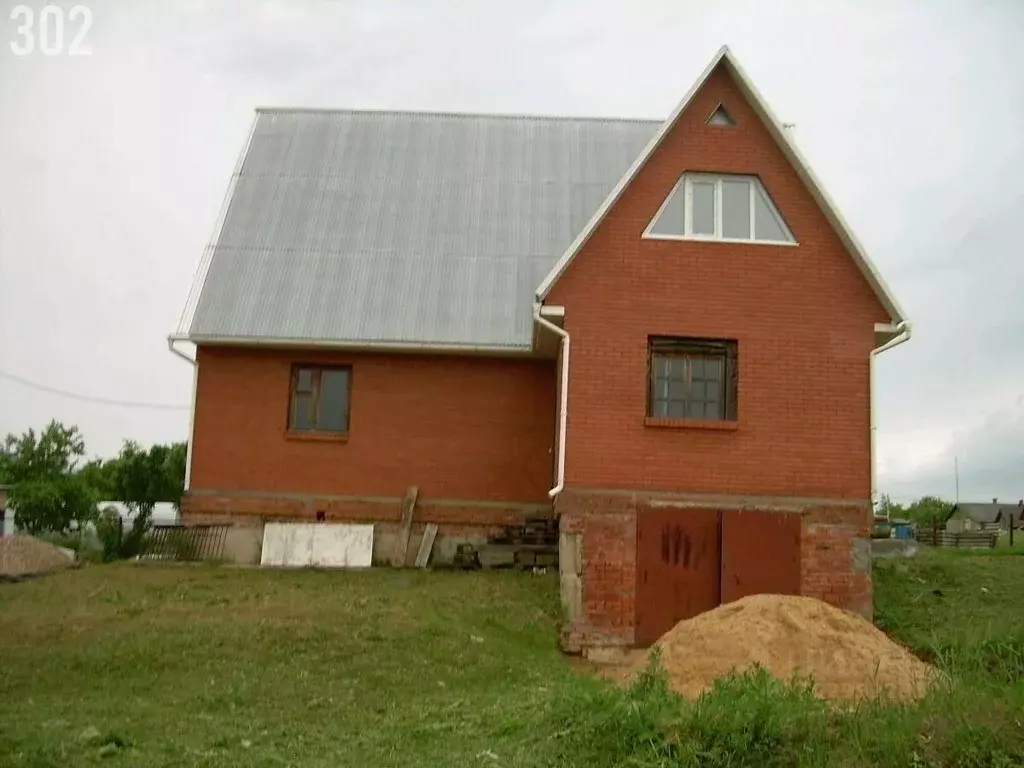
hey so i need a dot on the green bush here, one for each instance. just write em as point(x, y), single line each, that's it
point(118, 544)
point(755, 720)
point(752, 720)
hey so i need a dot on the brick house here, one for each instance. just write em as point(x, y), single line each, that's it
point(661, 332)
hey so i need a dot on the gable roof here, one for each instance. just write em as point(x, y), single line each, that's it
point(725, 58)
point(440, 231)
point(398, 228)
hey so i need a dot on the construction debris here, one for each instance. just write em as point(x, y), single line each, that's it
point(847, 656)
point(529, 546)
point(426, 544)
point(399, 555)
point(22, 556)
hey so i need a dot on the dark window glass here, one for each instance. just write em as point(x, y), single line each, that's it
point(302, 404)
point(333, 415)
point(692, 379)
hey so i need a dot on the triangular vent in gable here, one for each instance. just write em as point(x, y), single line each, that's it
point(720, 117)
point(708, 206)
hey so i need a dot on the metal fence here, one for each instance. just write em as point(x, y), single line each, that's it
point(189, 543)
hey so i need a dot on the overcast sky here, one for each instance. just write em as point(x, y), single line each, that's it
point(113, 168)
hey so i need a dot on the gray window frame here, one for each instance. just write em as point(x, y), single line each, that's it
point(686, 351)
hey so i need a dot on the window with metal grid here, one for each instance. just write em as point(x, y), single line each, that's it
point(692, 379)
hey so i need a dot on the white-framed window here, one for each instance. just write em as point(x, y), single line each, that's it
point(732, 208)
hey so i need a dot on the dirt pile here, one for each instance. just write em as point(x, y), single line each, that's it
point(848, 657)
point(26, 556)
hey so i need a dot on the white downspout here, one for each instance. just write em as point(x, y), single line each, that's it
point(563, 396)
point(192, 409)
point(904, 335)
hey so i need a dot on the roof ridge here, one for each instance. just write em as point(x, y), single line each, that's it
point(452, 113)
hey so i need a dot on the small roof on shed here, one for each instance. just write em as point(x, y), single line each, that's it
point(402, 227)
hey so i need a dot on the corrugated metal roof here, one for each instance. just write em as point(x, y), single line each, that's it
point(988, 513)
point(397, 227)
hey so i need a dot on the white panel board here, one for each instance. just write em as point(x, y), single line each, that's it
point(323, 545)
point(288, 544)
point(342, 546)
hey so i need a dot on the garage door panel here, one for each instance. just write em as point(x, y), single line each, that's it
point(760, 553)
point(679, 567)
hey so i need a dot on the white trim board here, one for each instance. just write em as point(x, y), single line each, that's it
point(725, 57)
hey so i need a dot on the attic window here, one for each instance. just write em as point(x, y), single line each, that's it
point(720, 117)
point(719, 207)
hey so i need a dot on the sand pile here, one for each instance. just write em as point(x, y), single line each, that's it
point(848, 657)
point(25, 556)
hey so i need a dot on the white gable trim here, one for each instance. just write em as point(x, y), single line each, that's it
point(794, 156)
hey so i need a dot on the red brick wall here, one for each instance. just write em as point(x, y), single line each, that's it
point(249, 508)
point(803, 317)
point(607, 527)
point(836, 557)
point(456, 427)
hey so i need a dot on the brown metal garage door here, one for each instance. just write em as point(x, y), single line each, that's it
point(760, 554)
point(678, 568)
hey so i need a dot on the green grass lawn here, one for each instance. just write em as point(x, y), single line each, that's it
point(207, 666)
point(203, 666)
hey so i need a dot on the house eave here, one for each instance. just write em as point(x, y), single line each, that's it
point(358, 345)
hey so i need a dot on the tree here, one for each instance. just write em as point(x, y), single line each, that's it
point(52, 505)
point(53, 453)
point(46, 494)
point(175, 470)
point(928, 509)
point(97, 474)
point(140, 479)
point(889, 508)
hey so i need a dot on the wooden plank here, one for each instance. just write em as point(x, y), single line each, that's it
point(402, 543)
point(426, 544)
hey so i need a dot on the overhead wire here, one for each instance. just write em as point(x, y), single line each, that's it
point(89, 398)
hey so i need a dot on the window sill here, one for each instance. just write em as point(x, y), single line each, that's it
point(317, 437)
point(715, 425)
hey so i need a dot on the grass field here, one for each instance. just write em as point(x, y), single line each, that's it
point(178, 666)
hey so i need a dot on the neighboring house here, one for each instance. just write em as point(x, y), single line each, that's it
point(987, 518)
point(662, 332)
